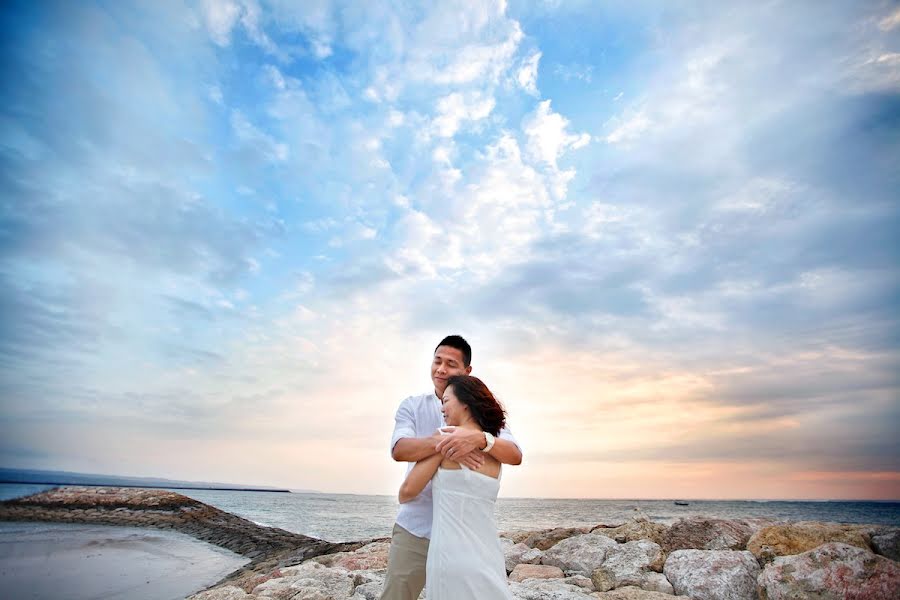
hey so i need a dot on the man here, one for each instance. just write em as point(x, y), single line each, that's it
point(414, 439)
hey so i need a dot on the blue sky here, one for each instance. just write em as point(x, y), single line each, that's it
point(232, 232)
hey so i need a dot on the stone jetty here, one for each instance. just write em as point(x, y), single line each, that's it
point(163, 509)
point(699, 558)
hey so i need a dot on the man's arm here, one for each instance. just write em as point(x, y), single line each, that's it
point(413, 449)
point(460, 443)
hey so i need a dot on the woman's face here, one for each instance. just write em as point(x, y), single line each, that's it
point(454, 411)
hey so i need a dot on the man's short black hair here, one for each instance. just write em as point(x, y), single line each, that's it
point(457, 341)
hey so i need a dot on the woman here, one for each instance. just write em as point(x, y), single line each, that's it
point(465, 559)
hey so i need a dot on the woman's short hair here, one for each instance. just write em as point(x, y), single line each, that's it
point(483, 407)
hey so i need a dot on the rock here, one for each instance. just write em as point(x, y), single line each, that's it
point(369, 557)
point(518, 554)
point(833, 570)
point(713, 574)
point(707, 534)
point(228, 592)
point(635, 593)
point(547, 589)
point(796, 538)
point(544, 540)
point(522, 572)
point(628, 564)
point(886, 542)
point(368, 591)
point(636, 529)
point(580, 554)
point(657, 582)
point(309, 580)
point(581, 581)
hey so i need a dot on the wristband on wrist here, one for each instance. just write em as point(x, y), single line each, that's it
point(489, 442)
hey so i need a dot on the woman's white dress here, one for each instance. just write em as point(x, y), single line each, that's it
point(465, 559)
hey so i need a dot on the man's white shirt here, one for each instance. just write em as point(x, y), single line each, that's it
point(420, 416)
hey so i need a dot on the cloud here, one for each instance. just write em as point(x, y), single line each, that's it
point(456, 108)
point(713, 290)
point(220, 17)
point(528, 73)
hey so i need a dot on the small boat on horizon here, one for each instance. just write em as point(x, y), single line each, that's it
point(681, 503)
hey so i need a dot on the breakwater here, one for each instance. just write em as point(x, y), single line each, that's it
point(163, 509)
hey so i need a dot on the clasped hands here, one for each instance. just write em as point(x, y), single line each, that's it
point(461, 445)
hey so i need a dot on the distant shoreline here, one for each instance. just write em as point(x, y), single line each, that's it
point(149, 486)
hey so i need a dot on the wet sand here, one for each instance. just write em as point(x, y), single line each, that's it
point(81, 562)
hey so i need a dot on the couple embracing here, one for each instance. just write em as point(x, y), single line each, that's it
point(445, 537)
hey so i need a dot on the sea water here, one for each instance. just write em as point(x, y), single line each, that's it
point(346, 517)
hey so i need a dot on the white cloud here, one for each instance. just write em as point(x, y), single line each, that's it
point(547, 133)
point(453, 110)
point(275, 77)
point(528, 74)
point(215, 94)
point(629, 129)
point(261, 142)
point(890, 21)
point(220, 17)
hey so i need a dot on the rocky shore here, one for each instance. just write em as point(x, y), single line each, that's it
point(700, 558)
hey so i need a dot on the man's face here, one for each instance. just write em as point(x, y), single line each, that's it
point(447, 363)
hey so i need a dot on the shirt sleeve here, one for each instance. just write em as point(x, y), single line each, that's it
point(506, 434)
point(404, 423)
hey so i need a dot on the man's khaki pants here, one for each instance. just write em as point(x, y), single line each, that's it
point(406, 566)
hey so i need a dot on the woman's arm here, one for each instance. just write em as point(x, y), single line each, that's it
point(419, 477)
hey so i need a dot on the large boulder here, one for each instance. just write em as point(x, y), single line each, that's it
point(713, 574)
point(796, 538)
point(523, 572)
point(635, 593)
point(580, 554)
point(834, 570)
point(228, 592)
point(519, 554)
point(548, 589)
point(543, 540)
point(309, 580)
point(636, 529)
point(701, 533)
point(886, 542)
point(631, 563)
point(370, 557)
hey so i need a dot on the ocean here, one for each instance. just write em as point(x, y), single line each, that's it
point(348, 517)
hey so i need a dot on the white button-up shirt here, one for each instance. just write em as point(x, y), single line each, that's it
point(420, 416)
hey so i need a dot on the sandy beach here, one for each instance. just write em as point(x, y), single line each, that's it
point(82, 562)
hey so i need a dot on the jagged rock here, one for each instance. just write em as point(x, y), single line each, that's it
point(628, 564)
point(368, 591)
point(518, 554)
point(636, 593)
point(713, 574)
point(580, 554)
point(657, 582)
point(544, 540)
point(636, 529)
point(796, 538)
point(707, 534)
point(228, 592)
point(581, 581)
point(547, 589)
point(834, 570)
point(308, 580)
point(369, 557)
point(886, 542)
point(522, 572)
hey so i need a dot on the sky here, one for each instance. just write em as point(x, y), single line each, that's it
point(233, 231)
